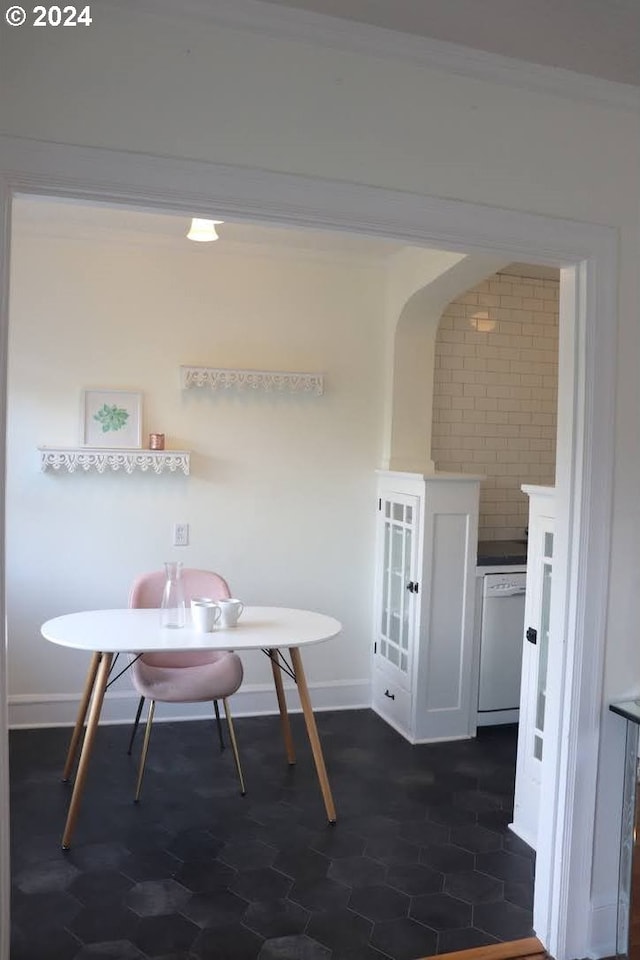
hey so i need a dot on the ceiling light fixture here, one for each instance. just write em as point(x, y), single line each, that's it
point(203, 231)
point(482, 322)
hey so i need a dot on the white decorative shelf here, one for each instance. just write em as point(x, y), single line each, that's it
point(101, 459)
point(268, 380)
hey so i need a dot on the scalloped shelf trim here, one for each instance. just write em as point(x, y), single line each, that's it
point(102, 459)
point(268, 380)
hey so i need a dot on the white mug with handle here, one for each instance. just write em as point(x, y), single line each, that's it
point(204, 614)
point(230, 610)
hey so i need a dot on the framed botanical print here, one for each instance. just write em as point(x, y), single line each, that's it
point(111, 418)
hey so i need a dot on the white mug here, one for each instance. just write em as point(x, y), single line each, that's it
point(204, 614)
point(230, 611)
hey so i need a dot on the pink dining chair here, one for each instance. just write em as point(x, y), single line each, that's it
point(189, 677)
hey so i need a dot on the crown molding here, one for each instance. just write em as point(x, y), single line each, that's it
point(262, 17)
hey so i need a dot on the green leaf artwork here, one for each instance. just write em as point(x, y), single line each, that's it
point(111, 417)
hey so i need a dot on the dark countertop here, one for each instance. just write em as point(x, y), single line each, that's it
point(501, 552)
point(629, 709)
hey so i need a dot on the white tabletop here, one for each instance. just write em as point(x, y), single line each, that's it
point(140, 631)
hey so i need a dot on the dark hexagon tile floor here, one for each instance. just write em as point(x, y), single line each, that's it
point(421, 860)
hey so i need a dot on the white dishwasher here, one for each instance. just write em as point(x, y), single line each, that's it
point(501, 639)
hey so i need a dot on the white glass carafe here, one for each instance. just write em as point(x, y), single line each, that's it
point(174, 607)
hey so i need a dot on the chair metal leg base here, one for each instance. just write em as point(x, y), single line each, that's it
point(145, 748)
point(135, 725)
point(219, 725)
point(234, 746)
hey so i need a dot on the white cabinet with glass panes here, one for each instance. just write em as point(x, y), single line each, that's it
point(535, 657)
point(423, 611)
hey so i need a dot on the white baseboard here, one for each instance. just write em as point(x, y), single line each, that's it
point(529, 838)
point(494, 718)
point(415, 741)
point(60, 709)
point(603, 930)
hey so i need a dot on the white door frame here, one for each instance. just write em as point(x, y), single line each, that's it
point(585, 456)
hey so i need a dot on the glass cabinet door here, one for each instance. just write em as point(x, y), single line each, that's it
point(543, 645)
point(399, 518)
point(532, 745)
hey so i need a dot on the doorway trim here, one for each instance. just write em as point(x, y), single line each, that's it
point(585, 460)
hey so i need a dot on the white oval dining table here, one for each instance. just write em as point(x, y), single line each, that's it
point(107, 633)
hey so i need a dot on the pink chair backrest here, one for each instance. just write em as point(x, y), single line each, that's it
point(147, 589)
point(146, 592)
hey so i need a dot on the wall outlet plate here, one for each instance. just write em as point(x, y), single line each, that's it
point(181, 534)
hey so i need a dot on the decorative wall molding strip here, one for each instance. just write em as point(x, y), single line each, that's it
point(268, 380)
point(70, 459)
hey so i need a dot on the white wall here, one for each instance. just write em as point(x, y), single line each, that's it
point(280, 497)
point(204, 90)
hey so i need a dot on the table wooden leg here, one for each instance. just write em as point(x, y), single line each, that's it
point(82, 713)
point(94, 716)
point(282, 706)
point(312, 733)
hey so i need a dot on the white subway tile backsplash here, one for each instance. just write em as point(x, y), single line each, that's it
point(495, 416)
point(471, 443)
point(543, 342)
point(545, 444)
point(450, 389)
point(486, 403)
point(522, 289)
point(451, 416)
point(450, 363)
point(531, 329)
point(462, 429)
point(474, 363)
point(495, 443)
point(495, 394)
point(452, 336)
point(471, 389)
point(509, 456)
point(498, 365)
point(484, 456)
point(518, 417)
point(461, 403)
point(467, 350)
